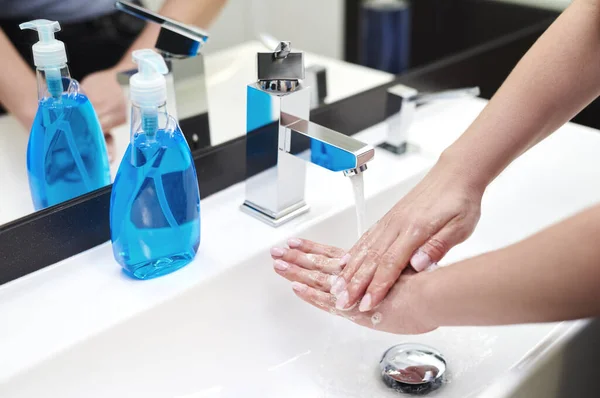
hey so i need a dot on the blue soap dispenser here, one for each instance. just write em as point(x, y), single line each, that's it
point(66, 155)
point(155, 202)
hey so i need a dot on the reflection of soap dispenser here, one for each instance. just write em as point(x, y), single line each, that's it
point(155, 203)
point(66, 156)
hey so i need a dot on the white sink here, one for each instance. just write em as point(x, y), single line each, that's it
point(244, 333)
point(228, 326)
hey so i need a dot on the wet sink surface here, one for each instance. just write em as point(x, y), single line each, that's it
point(244, 334)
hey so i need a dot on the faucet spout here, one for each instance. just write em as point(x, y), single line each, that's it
point(328, 148)
point(281, 139)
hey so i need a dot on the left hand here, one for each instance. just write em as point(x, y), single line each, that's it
point(106, 96)
point(312, 268)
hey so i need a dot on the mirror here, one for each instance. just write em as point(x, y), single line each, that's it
point(343, 40)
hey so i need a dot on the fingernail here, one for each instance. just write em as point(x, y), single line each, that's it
point(365, 303)
point(281, 265)
point(294, 242)
point(277, 252)
point(331, 279)
point(342, 300)
point(299, 287)
point(346, 259)
point(338, 286)
point(420, 261)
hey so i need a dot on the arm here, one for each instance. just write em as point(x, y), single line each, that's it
point(551, 276)
point(553, 81)
point(18, 85)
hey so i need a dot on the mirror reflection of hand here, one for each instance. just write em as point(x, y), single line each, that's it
point(107, 97)
point(439, 213)
point(312, 267)
point(110, 146)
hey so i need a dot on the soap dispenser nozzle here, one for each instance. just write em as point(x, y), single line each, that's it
point(49, 54)
point(148, 87)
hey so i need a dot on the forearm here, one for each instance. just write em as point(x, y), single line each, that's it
point(553, 275)
point(198, 13)
point(18, 87)
point(557, 78)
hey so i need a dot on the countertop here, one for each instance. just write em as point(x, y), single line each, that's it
point(52, 309)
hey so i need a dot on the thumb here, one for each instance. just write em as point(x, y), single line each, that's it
point(436, 247)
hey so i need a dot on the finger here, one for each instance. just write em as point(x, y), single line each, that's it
point(392, 263)
point(321, 300)
point(364, 256)
point(111, 119)
point(293, 273)
point(436, 247)
point(310, 261)
point(364, 275)
point(308, 246)
point(326, 302)
point(357, 256)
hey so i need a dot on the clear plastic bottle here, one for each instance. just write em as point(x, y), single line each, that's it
point(66, 155)
point(155, 203)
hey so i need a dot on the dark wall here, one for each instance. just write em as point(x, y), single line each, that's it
point(444, 27)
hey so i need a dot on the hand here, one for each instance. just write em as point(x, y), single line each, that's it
point(106, 96)
point(110, 146)
point(439, 213)
point(312, 267)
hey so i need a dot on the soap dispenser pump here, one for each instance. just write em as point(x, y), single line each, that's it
point(66, 155)
point(155, 202)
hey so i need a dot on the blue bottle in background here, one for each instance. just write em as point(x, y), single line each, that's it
point(386, 35)
point(66, 155)
point(155, 202)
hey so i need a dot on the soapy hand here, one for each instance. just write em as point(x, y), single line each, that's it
point(439, 213)
point(106, 96)
point(312, 267)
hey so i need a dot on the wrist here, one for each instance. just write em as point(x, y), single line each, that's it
point(463, 171)
point(423, 300)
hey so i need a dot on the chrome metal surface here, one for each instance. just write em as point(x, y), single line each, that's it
point(402, 102)
point(353, 172)
point(289, 68)
point(279, 86)
point(175, 38)
point(282, 50)
point(281, 139)
point(315, 76)
point(413, 368)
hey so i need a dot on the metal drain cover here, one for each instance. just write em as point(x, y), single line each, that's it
point(413, 368)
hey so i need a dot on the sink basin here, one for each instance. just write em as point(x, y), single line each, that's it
point(228, 326)
point(244, 333)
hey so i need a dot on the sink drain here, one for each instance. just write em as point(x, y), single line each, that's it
point(413, 368)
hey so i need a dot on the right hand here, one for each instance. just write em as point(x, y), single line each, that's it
point(439, 213)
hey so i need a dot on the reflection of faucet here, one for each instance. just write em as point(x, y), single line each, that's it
point(280, 139)
point(402, 103)
point(180, 45)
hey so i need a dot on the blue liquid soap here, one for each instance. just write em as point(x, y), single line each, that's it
point(66, 155)
point(155, 204)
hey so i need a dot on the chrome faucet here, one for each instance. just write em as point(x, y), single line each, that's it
point(180, 45)
point(280, 140)
point(402, 102)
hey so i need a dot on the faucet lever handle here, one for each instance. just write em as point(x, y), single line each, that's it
point(422, 98)
point(282, 50)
